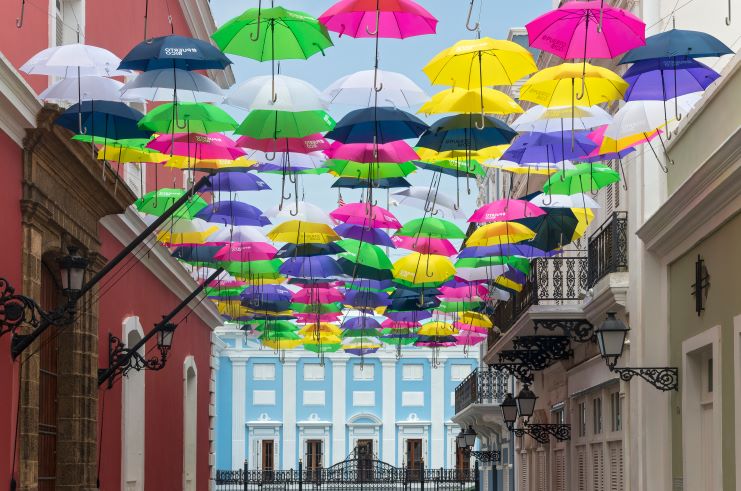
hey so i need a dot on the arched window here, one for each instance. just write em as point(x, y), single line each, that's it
point(190, 423)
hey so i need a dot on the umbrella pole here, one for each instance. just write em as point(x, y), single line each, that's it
point(663, 102)
point(677, 114)
point(663, 168)
point(658, 133)
point(584, 62)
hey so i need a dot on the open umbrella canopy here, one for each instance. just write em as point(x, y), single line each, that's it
point(281, 93)
point(90, 87)
point(159, 201)
point(103, 119)
point(561, 85)
point(377, 125)
point(397, 151)
point(230, 182)
point(425, 245)
point(384, 18)
point(431, 227)
point(368, 216)
point(667, 78)
point(174, 51)
point(460, 132)
point(584, 178)
point(361, 170)
point(187, 116)
point(229, 212)
point(417, 269)
point(306, 144)
point(74, 60)
point(296, 232)
point(675, 43)
point(366, 234)
point(456, 100)
point(262, 123)
point(364, 253)
point(360, 89)
point(498, 233)
point(505, 210)
point(172, 84)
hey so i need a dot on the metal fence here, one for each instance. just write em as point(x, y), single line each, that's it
point(351, 474)
point(482, 386)
point(608, 248)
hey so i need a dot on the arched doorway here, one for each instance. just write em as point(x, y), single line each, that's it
point(190, 423)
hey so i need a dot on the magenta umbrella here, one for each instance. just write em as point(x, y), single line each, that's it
point(469, 339)
point(383, 18)
point(471, 329)
point(368, 216)
point(306, 144)
point(318, 295)
point(246, 252)
point(425, 245)
point(397, 152)
point(505, 210)
point(197, 145)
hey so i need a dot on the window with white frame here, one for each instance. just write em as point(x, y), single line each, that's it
point(459, 371)
point(363, 372)
point(582, 415)
point(412, 372)
point(313, 371)
point(616, 408)
point(263, 371)
point(597, 415)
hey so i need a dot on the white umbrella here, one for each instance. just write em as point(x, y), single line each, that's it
point(637, 117)
point(301, 160)
point(287, 94)
point(85, 88)
point(74, 60)
point(422, 198)
point(579, 200)
point(161, 85)
point(550, 119)
point(477, 274)
point(358, 89)
point(307, 212)
point(241, 233)
point(507, 164)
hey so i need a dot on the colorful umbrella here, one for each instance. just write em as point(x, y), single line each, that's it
point(368, 216)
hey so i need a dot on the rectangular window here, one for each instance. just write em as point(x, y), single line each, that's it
point(363, 372)
point(459, 371)
point(558, 417)
point(582, 408)
point(313, 371)
point(314, 458)
point(617, 411)
point(597, 415)
point(263, 371)
point(710, 375)
point(267, 455)
point(412, 372)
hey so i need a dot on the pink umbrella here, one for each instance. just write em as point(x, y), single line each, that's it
point(306, 144)
point(361, 214)
point(425, 245)
point(309, 318)
point(471, 329)
point(392, 324)
point(246, 251)
point(226, 283)
point(463, 292)
point(505, 210)
point(468, 339)
point(397, 151)
point(320, 295)
point(197, 145)
point(378, 18)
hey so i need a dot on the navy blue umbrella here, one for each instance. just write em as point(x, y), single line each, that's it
point(174, 51)
point(377, 125)
point(196, 253)
point(305, 250)
point(383, 183)
point(103, 119)
point(677, 42)
point(460, 132)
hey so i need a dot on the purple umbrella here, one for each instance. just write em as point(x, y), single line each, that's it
point(366, 299)
point(233, 213)
point(369, 235)
point(503, 250)
point(361, 351)
point(267, 293)
point(662, 79)
point(311, 267)
point(362, 322)
point(409, 316)
point(548, 147)
point(228, 182)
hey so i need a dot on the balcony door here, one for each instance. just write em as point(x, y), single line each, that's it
point(268, 459)
point(414, 457)
point(313, 458)
point(365, 460)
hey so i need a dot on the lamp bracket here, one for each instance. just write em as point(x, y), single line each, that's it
point(578, 330)
point(485, 456)
point(553, 347)
point(122, 360)
point(542, 432)
point(520, 371)
point(663, 378)
point(17, 310)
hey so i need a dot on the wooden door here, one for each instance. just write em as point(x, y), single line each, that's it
point(268, 459)
point(313, 458)
point(365, 460)
point(48, 349)
point(414, 458)
point(462, 460)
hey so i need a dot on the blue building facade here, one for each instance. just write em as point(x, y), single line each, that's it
point(273, 412)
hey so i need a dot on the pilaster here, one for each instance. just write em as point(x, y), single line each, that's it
point(289, 415)
point(339, 387)
point(437, 414)
point(239, 402)
point(388, 378)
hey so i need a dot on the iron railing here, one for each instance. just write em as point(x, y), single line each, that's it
point(607, 251)
point(553, 280)
point(482, 386)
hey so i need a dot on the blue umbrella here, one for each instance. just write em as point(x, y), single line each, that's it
point(360, 323)
point(503, 250)
point(383, 183)
point(359, 232)
point(463, 132)
point(313, 267)
point(647, 83)
point(364, 299)
point(377, 125)
point(196, 253)
point(548, 147)
point(677, 42)
point(233, 213)
point(227, 182)
point(103, 119)
point(174, 51)
point(304, 250)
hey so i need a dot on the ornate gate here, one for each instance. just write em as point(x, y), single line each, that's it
point(357, 472)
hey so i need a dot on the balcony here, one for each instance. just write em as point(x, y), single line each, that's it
point(607, 251)
point(482, 386)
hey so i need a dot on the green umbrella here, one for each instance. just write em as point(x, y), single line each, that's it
point(159, 201)
point(520, 263)
point(399, 341)
point(215, 291)
point(360, 170)
point(364, 254)
point(583, 178)
point(279, 326)
point(463, 306)
point(361, 333)
point(322, 347)
point(193, 117)
point(273, 34)
point(252, 268)
point(432, 227)
point(455, 168)
point(263, 124)
point(279, 335)
point(324, 308)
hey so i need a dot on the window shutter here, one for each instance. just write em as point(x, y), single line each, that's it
point(598, 468)
point(581, 468)
point(524, 472)
point(59, 25)
point(542, 474)
point(559, 471)
point(616, 466)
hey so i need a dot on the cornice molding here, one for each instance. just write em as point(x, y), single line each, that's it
point(125, 227)
point(18, 102)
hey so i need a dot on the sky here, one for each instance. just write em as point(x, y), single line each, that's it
point(407, 56)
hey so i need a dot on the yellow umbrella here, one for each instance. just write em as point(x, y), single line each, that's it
point(499, 233)
point(420, 269)
point(488, 153)
point(232, 308)
point(475, 319)
point(520, 169)
point(324, 338)
point(283, 344)
point(475, 63)
point(182, 235)
point(458, 100)
point(323, 328)
point(122, 154)
point(610, 145)
point(508, 283)
point(584, 217)
point(180, 162)
point(564, 85)
point(298, 232)
point(437, 328)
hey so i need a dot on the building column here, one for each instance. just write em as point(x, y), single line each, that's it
point(437, 415)
point(339, 388)
point(289, 416)
point(388, 379)
point(239, 402)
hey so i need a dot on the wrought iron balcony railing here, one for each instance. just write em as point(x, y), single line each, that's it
point(482, 386)
point(608, 248)
point(554, 280)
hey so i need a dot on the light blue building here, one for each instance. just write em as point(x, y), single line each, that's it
point(274, 412)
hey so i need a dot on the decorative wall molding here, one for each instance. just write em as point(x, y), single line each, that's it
point(18, 102)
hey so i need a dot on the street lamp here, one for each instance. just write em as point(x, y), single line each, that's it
point(509, 411)
point(611, 341)
point(524, 406)
point(526, 402)
point(470, 436)
point(164, 336)
point(72, 269)
point(460, 440)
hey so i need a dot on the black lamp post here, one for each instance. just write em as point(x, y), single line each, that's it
point(72, 270)
point(524, 406)
point(526, 402)
point(466, 439)
point(611, 341)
